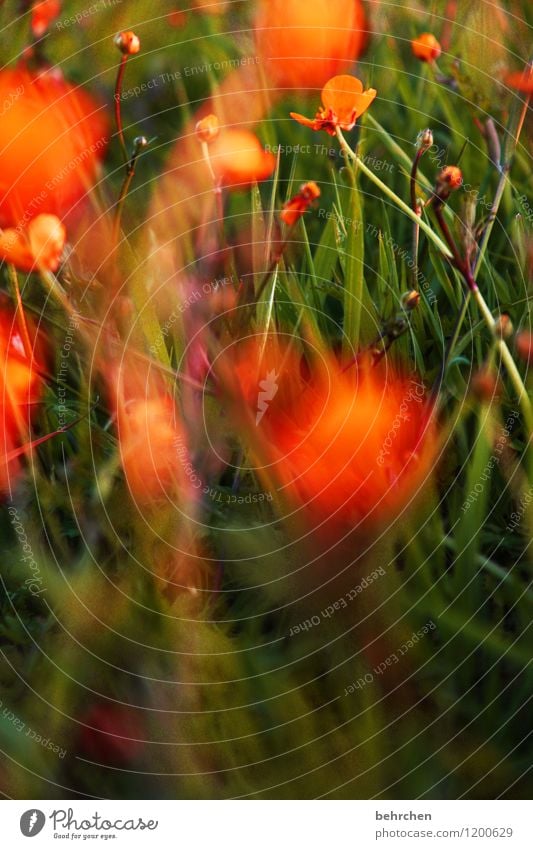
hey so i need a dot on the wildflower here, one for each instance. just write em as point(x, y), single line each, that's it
point(52, 137)
point(484, 385)
point(207, 129)
point(504, 326)
point(344, 447)
point(302, 44)
point(20, 389)
point(238, 159)
point(111, 734)
point(19, 369)
point(426, 47)
point(128, 43)
point(43, 13)
point(448, 180)
point(425, 140)
point(40, 246)
point(295, 208)
point(343, 102)
point(524, 346)
point(148, 432)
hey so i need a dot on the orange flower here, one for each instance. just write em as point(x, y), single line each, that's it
point(42, 14)
point(345, 447)
point(20, 389)
point(150, 434)
point(295, 208)
point(302, 44)
point(51, 138)
point(40, 246)
point(19, 369)
point(426, 47)
point(449, 180)
point(521, 80)
point(238, 159)
point(343, 102)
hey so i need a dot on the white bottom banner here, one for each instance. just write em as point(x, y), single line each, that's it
point(264, 824)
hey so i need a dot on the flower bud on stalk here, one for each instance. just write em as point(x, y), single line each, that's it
point(207, 129)
point(449, 180)
point(128, 43)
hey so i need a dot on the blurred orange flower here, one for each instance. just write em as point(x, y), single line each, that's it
point(52, 136)
point(524, 346)
point(302, 44)
point(239, 159)
point(343, 102)
point(426, 47)
point(295, 208)
point(177, 18)
point(207, 129)
point(43, 13)
point(127, 42)
point(39, 246)
point(346, 448)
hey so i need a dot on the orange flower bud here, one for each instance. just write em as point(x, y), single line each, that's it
point(449, 180)
point(410, 300)
point(40, 246)
point(426, 47)
point(302, 44)
point(51, 138)
point(343, 102)
point(128, 43)
point(504, 326)
point(326, 437)
point(177, 18)
point(425, 139)
point(295, 208)
point(207, 129)
point(46, 235)
point(524, 346)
